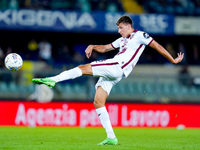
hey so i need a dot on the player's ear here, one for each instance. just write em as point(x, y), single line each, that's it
point(129, 26)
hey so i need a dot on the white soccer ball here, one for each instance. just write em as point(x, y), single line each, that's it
point(13, 61)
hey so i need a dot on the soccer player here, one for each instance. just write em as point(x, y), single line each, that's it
point(111, 71)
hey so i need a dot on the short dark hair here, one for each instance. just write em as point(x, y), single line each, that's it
point(125, 19)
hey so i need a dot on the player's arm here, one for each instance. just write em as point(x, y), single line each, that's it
point(98, 48)
point(165, 53)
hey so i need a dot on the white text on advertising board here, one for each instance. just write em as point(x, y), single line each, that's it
point(46, 18)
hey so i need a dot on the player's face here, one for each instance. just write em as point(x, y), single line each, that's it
point(123, 29)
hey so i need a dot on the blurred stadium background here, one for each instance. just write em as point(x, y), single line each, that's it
point(51, 36)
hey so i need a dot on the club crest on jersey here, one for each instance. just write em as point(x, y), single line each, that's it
point(146, 35)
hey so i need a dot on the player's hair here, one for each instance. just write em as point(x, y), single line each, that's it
point(125, 19)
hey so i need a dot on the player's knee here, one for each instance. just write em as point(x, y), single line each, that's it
point(81, 67)
point(98, 104)
point(95, 103)
point(86, 69)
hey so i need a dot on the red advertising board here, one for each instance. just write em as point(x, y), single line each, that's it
point(84, 114)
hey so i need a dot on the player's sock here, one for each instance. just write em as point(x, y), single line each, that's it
point(69, 74)
point(105, 121)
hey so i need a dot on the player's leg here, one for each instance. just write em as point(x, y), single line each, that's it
point(65, 75)
point(73, 73)
point(110, 73)
point(100, 97)
point(99, 104)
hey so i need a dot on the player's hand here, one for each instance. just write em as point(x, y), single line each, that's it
point(179, 58)
point(88, 51)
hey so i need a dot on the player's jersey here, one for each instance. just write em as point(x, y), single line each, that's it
point(130, 49)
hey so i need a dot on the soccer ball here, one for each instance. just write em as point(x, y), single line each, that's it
point(13, 61)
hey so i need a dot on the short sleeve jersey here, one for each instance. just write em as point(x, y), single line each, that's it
point(130, 49)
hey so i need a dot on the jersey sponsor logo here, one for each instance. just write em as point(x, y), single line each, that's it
point(123, 50)
point(146, 35)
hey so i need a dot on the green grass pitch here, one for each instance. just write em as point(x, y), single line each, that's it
point(54, 138)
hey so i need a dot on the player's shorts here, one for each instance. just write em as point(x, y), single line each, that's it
point(109, 72)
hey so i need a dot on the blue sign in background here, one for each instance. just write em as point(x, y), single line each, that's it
point(96, 22)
